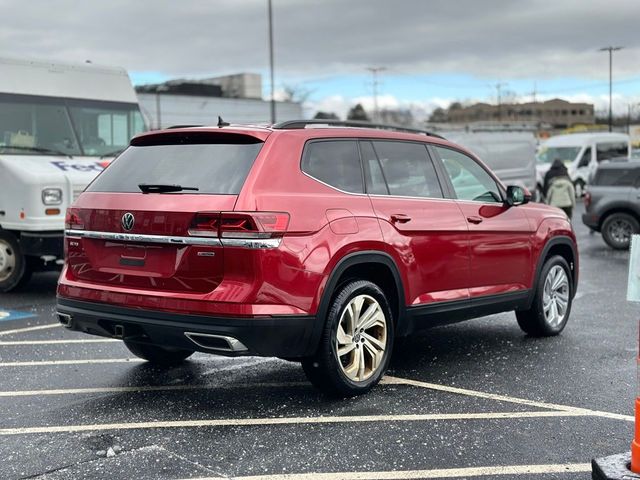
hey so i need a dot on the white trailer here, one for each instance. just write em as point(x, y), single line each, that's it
point(60, 125)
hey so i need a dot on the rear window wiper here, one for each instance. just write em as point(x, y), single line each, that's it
point(38, 149)
point(161, 188)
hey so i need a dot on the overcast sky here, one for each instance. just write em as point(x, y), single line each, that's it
point(434, 51)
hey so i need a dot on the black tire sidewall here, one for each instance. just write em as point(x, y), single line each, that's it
point(605, 230)
point(324, 368)
point(549, 264)
point(16, 279)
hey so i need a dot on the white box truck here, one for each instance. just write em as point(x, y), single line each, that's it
point(60, 125)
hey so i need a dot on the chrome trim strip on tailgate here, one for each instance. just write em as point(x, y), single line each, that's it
point(135, 237)
point(255, 243)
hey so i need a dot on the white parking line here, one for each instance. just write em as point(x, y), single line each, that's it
point(150, 388)
point(92, 361)
point(223, 422)
point(57, 342)
point(506, 398)
point(436, 473)
point(29, 329)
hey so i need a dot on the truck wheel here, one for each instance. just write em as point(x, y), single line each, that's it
point(617, 230)
point(551, 305)
point(356, 343)
point(15, 270)
point(579, 188)
point(161, 356)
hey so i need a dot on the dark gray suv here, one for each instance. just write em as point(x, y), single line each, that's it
point(613, 203)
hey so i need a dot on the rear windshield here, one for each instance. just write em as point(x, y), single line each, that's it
point(213, 168)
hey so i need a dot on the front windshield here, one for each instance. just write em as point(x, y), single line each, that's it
point(549, 154)
point(40, 125)
point(105, 128)
point(55, 126)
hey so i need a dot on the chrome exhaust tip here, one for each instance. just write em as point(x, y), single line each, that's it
point(65, 319)
point(220, 343)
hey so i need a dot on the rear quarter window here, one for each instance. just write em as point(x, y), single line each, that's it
point(619, 177)
point(334, 162)
point(212, 168)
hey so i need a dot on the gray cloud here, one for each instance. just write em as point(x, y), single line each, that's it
point(493, 38)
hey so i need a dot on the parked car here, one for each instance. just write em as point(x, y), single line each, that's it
point(613, 203)
point(581, 153)
point(320, 243)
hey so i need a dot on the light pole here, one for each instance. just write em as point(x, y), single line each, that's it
point(374, 71)
point(610, 50)
point(273, 100)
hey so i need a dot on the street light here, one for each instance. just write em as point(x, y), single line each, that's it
point(610, 50)
point(273, 100)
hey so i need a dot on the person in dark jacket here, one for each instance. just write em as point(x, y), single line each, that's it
point(558, 188)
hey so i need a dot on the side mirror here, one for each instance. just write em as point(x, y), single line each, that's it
point(517, 195)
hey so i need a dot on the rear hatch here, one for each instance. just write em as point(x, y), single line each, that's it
point(136, 224)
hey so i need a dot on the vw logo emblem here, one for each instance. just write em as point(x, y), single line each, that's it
point(128, 220)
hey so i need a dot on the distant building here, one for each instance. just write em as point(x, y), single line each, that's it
point(557, 113)
point(236, 98)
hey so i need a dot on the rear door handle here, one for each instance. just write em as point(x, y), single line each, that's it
point(474, 220)
point(400, 218)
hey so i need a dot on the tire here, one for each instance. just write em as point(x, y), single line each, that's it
point(535, 321)
point(617, 230)
point(161, 356)
point(579, 188)
point(346, 375)
point(15, 269)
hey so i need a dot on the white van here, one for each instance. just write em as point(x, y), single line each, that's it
point(581, 153)
point(510, 154)
point(60, 125)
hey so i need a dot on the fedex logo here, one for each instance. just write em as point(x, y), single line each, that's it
point(92, 167)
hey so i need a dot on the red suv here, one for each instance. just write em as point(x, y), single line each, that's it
point(313, 242)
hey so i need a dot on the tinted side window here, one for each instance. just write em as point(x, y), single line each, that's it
point(620, 177)
point(336, 163)
point(376, 183)
point(605, 151)
point(585, 159)
point(408, 169)
point(470, 180)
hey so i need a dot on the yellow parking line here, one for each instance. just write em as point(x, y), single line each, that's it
point(222, 422)
point(506, 398)
point(29, 329)
point(435, 473)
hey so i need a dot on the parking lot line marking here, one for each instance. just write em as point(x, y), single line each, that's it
point(56, 342)
point(29, 329)
point(223, 422)
point(435, 473)
point(149, 388)
point(38, 363)
point(506, 398)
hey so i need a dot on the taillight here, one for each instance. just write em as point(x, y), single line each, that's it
point(587, 199)
point(72, 220)
point(240, 224)
point(205, 225)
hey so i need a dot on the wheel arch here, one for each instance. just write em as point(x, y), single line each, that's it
point(617, 208)
point(372, 265)
point(566, 248)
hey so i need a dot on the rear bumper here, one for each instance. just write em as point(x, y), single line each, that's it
point(42, 243)
point(283, 336)
point(591, 220)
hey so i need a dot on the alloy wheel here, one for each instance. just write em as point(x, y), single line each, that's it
point(361, 338)
point(621, 231)
point(555, 297)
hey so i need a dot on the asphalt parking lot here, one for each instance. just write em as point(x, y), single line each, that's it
point(473, 400)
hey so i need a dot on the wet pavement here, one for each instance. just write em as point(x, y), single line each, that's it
point(473, 400)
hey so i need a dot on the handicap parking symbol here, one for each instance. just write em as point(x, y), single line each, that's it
point(6, 315)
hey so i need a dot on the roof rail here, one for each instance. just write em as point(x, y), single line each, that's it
point(300, 124)
point(183, 126)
